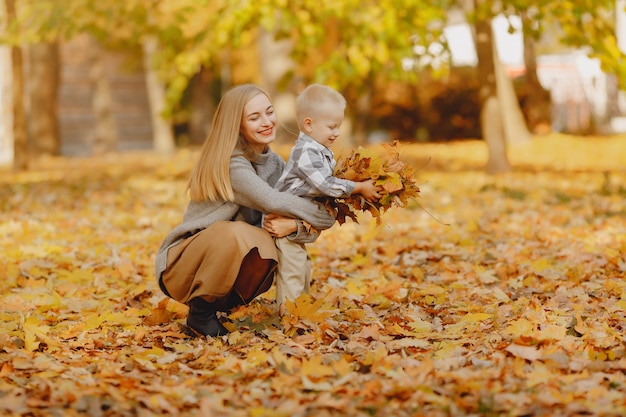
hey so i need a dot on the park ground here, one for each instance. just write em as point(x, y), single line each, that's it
point(487, 296)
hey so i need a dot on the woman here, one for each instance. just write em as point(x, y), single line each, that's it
point(219, 257)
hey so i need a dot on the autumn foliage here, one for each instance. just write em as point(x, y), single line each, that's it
point(516, 308)
point(396, 179)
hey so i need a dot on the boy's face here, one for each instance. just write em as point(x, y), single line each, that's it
point(324, 127)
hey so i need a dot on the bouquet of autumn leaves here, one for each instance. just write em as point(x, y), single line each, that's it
point(385, 167)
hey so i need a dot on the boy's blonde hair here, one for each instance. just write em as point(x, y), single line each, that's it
point(316, 98)
point(210, 177)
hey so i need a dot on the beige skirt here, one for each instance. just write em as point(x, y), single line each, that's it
point(206, 264)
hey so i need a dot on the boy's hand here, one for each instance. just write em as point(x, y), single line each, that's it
point(368, 190)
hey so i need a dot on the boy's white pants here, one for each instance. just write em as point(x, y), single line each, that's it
point(293, 276)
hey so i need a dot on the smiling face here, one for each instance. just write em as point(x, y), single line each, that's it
point(258, 123)
point(324, 126)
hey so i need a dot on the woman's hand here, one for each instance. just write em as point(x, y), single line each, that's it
point(279, 226)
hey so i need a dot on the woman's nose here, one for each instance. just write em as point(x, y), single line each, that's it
point(267, 120)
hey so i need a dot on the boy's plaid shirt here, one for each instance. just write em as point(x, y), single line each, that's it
point(309, 171)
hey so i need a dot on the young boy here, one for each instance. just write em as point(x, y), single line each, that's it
point(309, 173)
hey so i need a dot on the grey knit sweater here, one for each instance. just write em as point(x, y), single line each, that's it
point(252, 184)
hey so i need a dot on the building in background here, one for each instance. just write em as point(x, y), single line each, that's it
point(584, 98)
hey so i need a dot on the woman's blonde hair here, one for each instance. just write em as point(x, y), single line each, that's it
point(210, 177)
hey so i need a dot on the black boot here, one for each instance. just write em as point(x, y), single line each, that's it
point(202, 319)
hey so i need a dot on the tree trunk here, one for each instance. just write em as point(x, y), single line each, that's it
point(6, 101)
point(490, 114)
point(513, 122)
point(161, 128)
point(620, 25)
point(491, 122)
point(226, 71)
point(362, 115)
point(202, 106)
point(275, 62)
point(20, 137)
point(105, 133)
point(538, 104)
point(6, 108)
point(43, 83)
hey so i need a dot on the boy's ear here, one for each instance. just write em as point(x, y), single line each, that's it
point(307, 124)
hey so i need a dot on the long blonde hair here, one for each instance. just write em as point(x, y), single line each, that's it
point(210, 177)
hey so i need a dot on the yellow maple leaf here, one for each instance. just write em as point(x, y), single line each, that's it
point(159, 315)
point(391, 182)
point(519, 327)
point(284, 363)
point(356, 288)
point(314, 368)
point(257, 356)
point(410, 342)
point(377, 355)
point(420, 326)
point(530, 353)
point(620, 305)
point(552, 332)
point(343, 366)
point(34, 333)
point(94, 320)
point(475, 317)
point(306, 308)
point(445, 350)
point(126, 318)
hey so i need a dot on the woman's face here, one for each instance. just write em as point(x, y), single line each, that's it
point(258, 124)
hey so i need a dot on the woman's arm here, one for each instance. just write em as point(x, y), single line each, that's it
point(252, 190)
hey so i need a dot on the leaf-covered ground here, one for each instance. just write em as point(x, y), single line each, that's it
point(490, 296)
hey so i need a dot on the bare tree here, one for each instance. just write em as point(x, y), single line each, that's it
point(105, 136)
point(491, 120)
point(43, 86)
point(20, 137)
point(202, 105)
point(161, 128)
point(274, 64)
